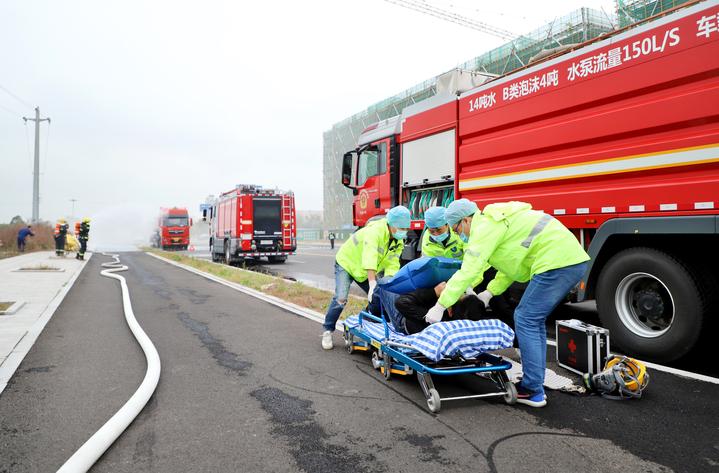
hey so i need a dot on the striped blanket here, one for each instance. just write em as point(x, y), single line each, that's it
point(446, 339)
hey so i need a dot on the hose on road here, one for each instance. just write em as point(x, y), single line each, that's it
point(86, 456)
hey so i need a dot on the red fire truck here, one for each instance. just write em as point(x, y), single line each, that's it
point(617, 138)
point(173, 229)
point(249, 222)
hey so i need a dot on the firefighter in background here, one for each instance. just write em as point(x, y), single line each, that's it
point(371, 250)
point(439, 239)
point(60, 234)
point(524, 245)
point(82, 232)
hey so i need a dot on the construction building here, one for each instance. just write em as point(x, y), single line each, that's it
point(576, 27)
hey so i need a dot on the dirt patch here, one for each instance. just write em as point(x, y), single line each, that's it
point(295, 292)
point(39, 267)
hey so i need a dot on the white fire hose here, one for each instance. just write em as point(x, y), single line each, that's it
point(86, 456)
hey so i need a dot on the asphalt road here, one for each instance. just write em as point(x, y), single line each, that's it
point(245, 386)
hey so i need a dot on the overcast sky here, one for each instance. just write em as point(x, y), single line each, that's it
point(160, 103)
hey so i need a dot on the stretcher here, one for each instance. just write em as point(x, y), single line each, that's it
point(458, 347)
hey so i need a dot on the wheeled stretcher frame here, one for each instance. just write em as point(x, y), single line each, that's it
point(396, 358)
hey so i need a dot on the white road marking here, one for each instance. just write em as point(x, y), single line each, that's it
point(668, 369)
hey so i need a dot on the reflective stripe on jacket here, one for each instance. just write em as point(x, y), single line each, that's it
point(370, 248)
point(516, 240)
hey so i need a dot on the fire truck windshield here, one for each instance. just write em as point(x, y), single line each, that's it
point(371, 163)
point(175, 221)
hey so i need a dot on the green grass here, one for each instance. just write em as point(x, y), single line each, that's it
point(295, 292)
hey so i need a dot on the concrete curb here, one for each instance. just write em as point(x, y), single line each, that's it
point(22, 348)
point(276, 301)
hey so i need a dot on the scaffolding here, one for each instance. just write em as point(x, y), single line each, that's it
point(580, 25)
point(633, 11)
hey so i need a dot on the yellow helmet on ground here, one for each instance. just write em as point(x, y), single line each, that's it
point(622, 378)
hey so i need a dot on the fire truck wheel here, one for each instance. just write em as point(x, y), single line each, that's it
point(213, 255)
point(228, 256)
point(651, 304)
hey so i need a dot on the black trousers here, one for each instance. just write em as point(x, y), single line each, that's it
point(60, 244)
point(83, 246)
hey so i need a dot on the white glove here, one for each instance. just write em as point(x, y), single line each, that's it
point(470, 291)
point(372, 285)
point(435, 314)
point(485, 296)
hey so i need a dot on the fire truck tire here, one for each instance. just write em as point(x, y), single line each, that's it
point(213, 255)
point(651, 304)
point(277, 259)
point(228, 256)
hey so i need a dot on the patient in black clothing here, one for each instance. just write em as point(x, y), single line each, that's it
point(414, 305)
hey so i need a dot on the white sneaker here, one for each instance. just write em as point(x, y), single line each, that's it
point(327, 340)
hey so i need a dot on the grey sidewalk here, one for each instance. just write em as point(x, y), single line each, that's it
point(41, 291)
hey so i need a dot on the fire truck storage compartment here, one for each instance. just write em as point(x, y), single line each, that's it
point(267, 217)
point(418, 200)
point(429, 160)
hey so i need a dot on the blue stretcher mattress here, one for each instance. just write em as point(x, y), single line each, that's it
point(421, 273)
point(446, 339)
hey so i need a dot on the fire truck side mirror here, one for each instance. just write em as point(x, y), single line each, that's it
point(347, 170)
point(204, 215)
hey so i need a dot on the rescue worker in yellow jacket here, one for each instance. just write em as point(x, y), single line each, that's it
point(373, 249)
point(523, 245)
point(439, 239)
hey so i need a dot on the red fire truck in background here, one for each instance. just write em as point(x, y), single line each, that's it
point(173, 229)
point(617, 138)
point(249, 222)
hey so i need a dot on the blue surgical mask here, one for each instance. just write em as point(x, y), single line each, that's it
point(464, 237)
point(439, 238)
point(400, 234)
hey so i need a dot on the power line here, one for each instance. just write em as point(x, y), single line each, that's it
point(10, 111)
point(16, 97)
point(47, 148)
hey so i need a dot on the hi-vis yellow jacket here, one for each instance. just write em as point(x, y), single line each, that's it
point(454, 247)
point(371, 248)
point(519, 242)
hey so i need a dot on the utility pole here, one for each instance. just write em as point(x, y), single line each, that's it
point(73, 207)
point(36, 169)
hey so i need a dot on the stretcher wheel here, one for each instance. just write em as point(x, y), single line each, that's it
point(349, 343)
point(434, 403)
point(510, 393)
point(387, 368)
point(376, 364)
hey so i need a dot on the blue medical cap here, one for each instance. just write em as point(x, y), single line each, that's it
point(434, 217)
point(459, 209)
point(398, 217)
